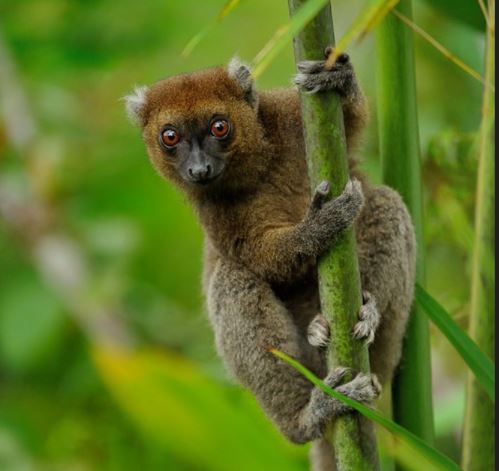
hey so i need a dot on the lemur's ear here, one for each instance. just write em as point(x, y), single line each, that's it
point(241, 73)
point(135, 103)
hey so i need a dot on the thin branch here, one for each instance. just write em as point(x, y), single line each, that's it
point(442, 49)
point(484, 11)
point(479, 423)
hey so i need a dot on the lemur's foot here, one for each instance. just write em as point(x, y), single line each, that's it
point(364, 388)
point(369, 319)
point(318, 332)
point(313, 77)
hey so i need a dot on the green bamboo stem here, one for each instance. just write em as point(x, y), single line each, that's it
point(352, 436)
point(400, 153)
point(479, 425)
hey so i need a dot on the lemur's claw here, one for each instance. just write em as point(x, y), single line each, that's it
point(318, 332)
point(369, 319)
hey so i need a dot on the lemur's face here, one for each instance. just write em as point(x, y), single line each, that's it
point(197, 148)
point(196, 127)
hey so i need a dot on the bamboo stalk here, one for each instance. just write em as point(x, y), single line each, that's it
point(479, 426)
point(400, 153)
point(351, 436)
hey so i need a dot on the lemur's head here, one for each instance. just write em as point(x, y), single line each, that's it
point(198, 128)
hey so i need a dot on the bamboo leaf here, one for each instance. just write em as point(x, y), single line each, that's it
point(365, 22)
point(226, 9)
point(480, 364)
point(435, 459)
point(285, 34)
point(466, 11)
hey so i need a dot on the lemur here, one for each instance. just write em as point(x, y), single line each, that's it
point(239, 156)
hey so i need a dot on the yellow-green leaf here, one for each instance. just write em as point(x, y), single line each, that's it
point(365, 22)
point(206, 424)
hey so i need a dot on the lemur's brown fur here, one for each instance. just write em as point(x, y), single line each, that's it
point(263, 236)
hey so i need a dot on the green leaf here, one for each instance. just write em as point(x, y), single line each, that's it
point(442, 49)
point(227, 8)
point(284, 35)
point(465, 11)
point(432, 458)
point(481, 365)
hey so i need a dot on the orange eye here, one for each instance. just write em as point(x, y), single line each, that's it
point(220, 128)
point(169, 137)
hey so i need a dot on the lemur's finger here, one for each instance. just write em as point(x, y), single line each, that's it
point(310, 67)
point(336, 376)
point(320, 195)
point(352, 194)
point(354, 188)
point(342, 58)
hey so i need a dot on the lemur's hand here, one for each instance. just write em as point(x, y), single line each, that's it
point(313, 77)
point(326, 219)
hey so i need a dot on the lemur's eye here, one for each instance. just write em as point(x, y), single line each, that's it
point(170, 137)
point(220, 128)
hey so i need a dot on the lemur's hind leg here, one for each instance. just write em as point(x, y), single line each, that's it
point(387, 251)
point(248, 320)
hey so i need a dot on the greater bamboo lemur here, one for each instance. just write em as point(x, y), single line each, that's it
point(239, 156)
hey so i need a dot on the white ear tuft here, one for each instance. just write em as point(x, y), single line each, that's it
point(241, 73)
point(134, 104)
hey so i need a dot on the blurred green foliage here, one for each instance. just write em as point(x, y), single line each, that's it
point(66, 402)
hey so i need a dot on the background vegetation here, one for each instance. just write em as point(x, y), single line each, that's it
point(106, 357)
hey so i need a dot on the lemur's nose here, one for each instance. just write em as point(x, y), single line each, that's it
point(200, 172)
